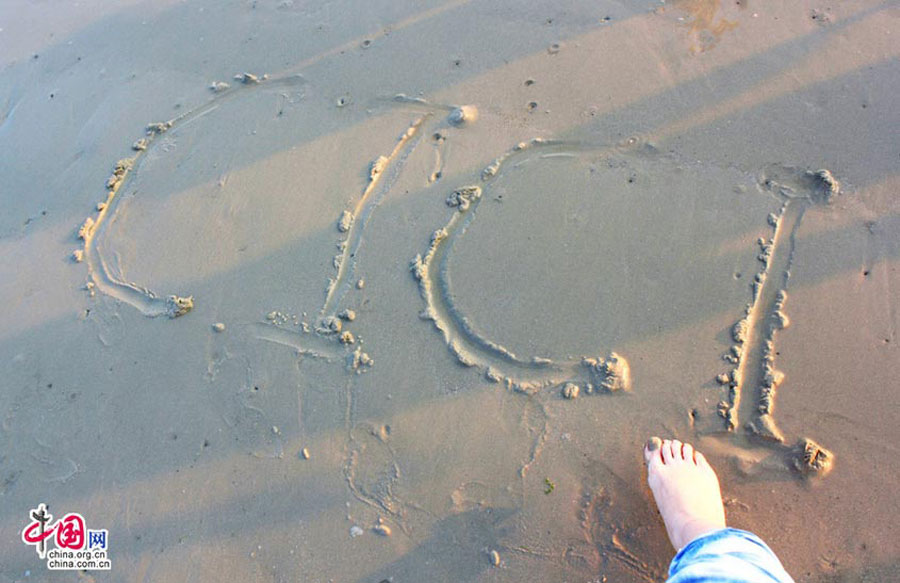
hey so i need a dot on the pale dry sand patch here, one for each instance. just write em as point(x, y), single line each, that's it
point(650, 40)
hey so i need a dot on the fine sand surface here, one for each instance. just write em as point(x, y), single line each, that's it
point(274, 306)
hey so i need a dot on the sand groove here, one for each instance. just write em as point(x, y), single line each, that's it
point(354, 223)
point(306, 344)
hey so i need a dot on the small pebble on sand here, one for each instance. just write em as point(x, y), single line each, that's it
point(463, 115)
point(495, 558)
point(382, 529)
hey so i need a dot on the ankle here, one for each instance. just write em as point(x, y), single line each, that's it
point(694, 529)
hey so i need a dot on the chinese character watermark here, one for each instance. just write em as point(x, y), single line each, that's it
point(76, 547)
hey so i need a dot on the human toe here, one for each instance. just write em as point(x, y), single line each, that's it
point(687, 450)
point(677, 453)
point(652, 450)
point(700, 459)
point(666, 449)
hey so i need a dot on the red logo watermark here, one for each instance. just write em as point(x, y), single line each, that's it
point(76, 547)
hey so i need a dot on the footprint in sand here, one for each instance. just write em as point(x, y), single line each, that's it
point(615, 541)
point(245, 406)
point(251, 427)
point(372, 472)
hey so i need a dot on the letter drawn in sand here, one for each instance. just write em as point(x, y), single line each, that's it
point(610, 373)
point(100, 276)
point(754, 380)
point(329, 338)
point(354, 222)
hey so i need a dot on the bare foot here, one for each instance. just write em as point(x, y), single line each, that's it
point(685, 488)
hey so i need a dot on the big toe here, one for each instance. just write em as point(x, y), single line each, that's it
point(702, 462)
point(651, 449)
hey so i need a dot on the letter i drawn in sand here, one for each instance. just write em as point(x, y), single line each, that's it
point(753, 381)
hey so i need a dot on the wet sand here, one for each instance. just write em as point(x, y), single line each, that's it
point(395, 291)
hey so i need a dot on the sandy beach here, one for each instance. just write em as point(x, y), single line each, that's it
point(394, 291)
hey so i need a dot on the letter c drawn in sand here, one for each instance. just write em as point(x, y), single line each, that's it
point(610, 373)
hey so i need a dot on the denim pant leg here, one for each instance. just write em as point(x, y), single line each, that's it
point(727, 556)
